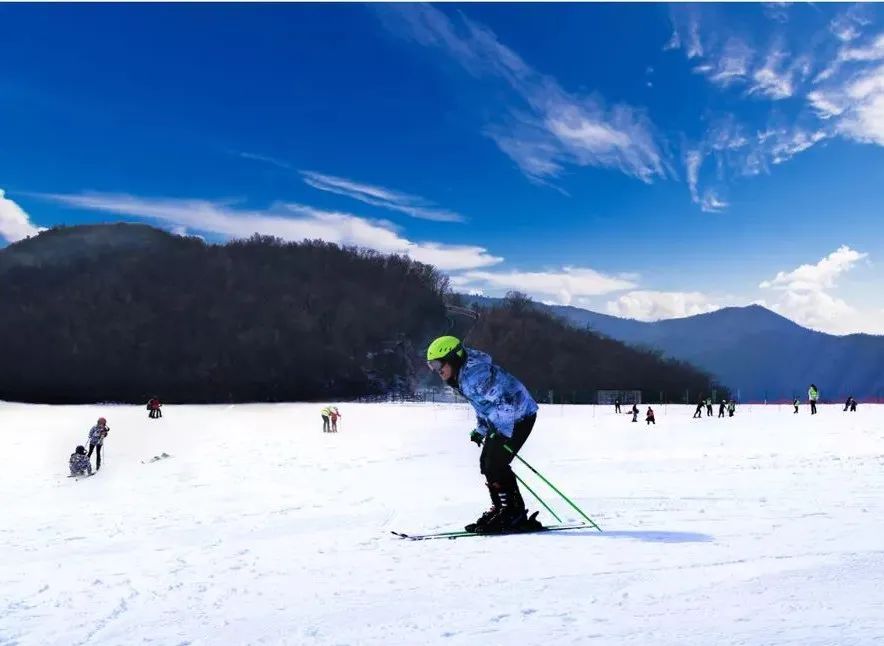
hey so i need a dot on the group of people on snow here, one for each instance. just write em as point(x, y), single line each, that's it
point(330, 417)
point(80, 462)
point(154, 407)
point(725, 405)
point(850, 404)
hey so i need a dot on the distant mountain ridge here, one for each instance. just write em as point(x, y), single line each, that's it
point(752, 350)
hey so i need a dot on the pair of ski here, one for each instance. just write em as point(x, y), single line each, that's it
point(464, 533)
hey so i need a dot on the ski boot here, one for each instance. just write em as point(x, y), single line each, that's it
point(511, 516)
point(488, 515)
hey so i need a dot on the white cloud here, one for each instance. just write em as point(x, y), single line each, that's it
point(653, 306)
point(693, 159)
point(863, 118)
point(267, 160)
point(823, 312)
point(674, 41)
point(712, 203)
point(694, 47)
point(787, 144)
point(563, 287)
point(15, 224)
point(709, 201)
point(771, 80)
point(293, 222)
point(826, 105)
point(551, 128)
point(847, 26)
point(731, 66)
point(806, 299)
point(777, 11)
point(412, 205)
point(818, 277)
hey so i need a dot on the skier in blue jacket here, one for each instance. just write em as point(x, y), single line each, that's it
point(79, 463)
point(505, 415)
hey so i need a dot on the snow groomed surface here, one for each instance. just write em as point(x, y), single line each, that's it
point(260, 529)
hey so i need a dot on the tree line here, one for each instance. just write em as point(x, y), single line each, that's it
point(265, 320)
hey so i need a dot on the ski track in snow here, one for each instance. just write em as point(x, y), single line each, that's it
point(260, 529)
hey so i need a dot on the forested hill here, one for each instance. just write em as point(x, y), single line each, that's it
point(123, 312)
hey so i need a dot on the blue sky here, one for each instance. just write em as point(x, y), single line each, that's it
point(647, 161)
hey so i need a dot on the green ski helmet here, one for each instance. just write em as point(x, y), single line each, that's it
point(444, 349)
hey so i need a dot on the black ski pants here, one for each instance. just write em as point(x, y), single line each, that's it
point(494, 463)
point(97, 449)
point(813, 407)
point(616, 408)
point(325, 424)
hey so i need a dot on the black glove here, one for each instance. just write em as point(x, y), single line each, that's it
point(476, 437)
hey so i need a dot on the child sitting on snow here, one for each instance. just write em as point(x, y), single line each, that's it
point(79, 463)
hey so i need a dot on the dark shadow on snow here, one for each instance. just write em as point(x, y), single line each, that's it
point(649, 536)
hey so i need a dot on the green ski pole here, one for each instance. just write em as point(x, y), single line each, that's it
point(539, 499)
point(553, 487)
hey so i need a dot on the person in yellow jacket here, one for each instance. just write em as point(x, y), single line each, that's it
point(813, 395)
point(330, 416)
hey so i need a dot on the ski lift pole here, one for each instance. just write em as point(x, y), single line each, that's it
point(553, 487)
point(539, 499)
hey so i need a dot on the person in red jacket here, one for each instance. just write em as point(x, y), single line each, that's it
point(649, 417)
point(154, 407)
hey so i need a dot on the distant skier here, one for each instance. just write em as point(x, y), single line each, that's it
point(699, 411)
point(853, 406)
point(813, 394)
point(154, 406)
point(96, 440)
point(649, 417)
point(635, 412)
point(721, 408)
point(79, 462)
point(731, 408)
point(617, 405)
point(850, 404)
point(708, 407)
point(327, 413)
point(795, 404)
point(505, 416)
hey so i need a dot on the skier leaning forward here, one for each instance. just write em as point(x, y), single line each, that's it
point(505, 415)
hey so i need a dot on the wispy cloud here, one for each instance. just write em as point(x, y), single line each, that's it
point(804, 295)
point(15, 224)
point(709, 201)
point(285, 220)
point(850, 92)
point(563, 287)
point(848, 25)
point(730, 66)
point(692, 161)
point(693, 46)
point(547, 128)
point(654, 306)
point(267, 160)
point(712, 203)
point(773, 79)
point(412, 205)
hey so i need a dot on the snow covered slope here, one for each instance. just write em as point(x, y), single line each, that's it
point(260, 529)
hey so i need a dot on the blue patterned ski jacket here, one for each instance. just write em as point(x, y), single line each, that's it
point(499, 399)
point(79, 464)
point(97, 434)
